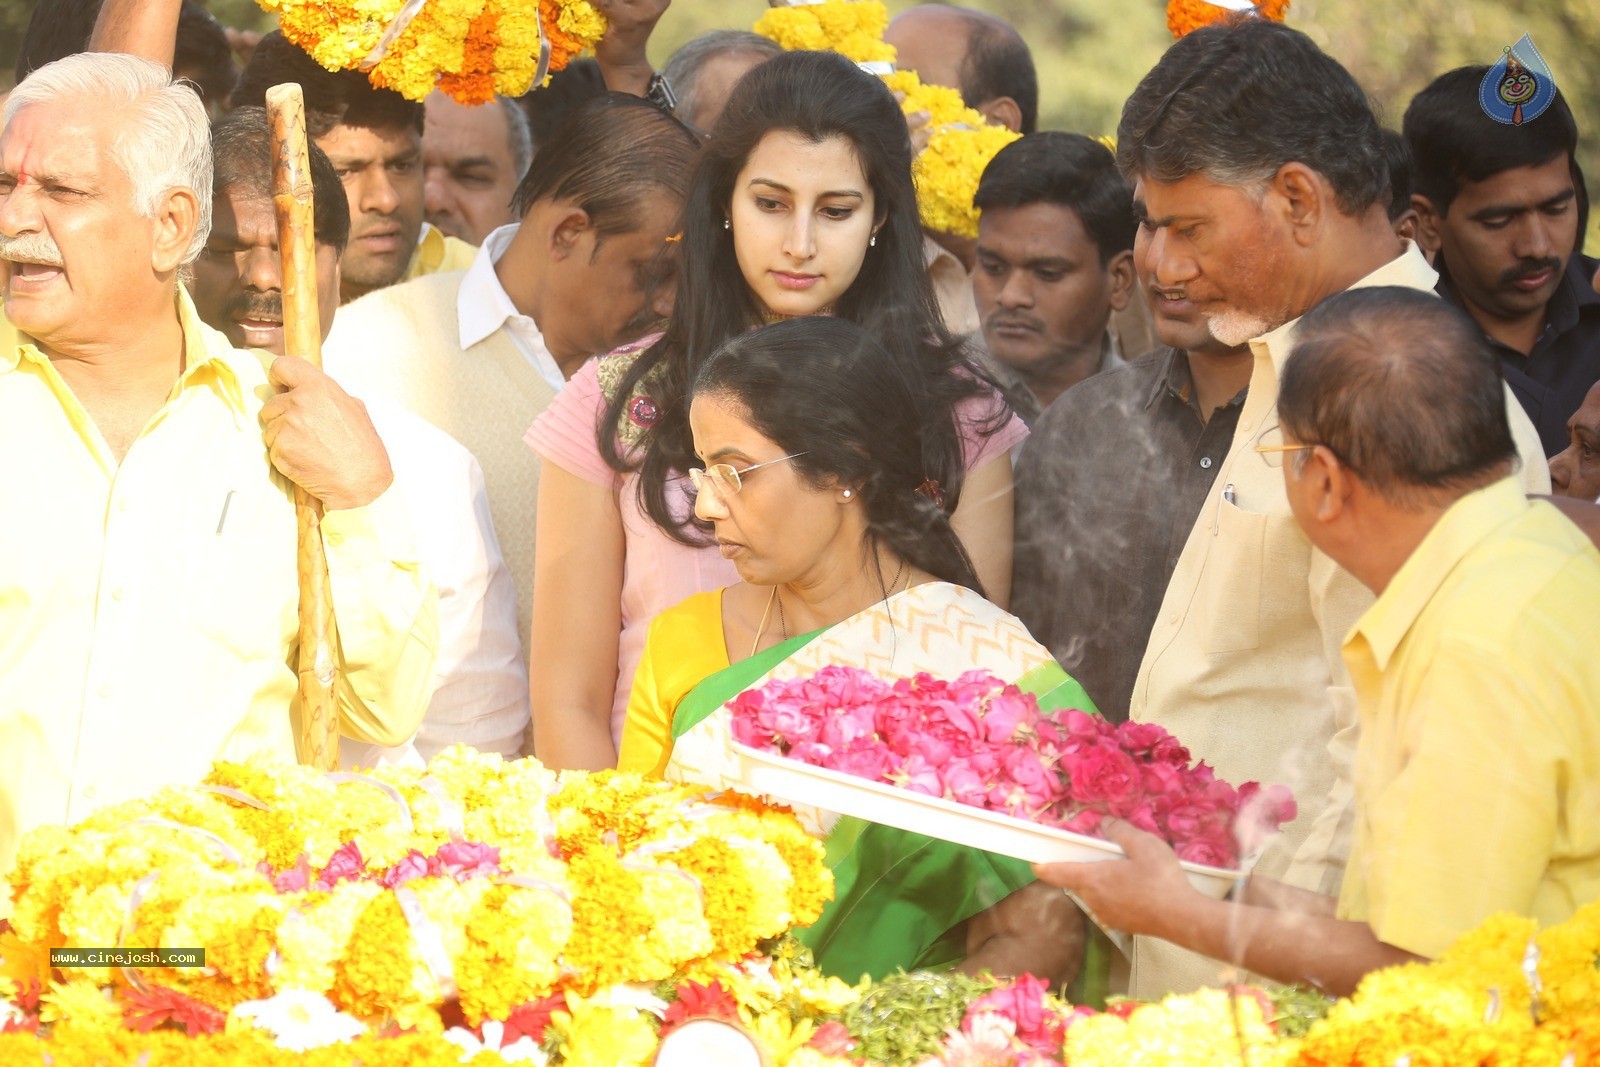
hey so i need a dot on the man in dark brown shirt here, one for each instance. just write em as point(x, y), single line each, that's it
point(1109, 486)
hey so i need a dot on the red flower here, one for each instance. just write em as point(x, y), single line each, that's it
point(696, 1001)
point(1122, 1008)
point(832, 1039)
point(161, 1007)
point(530, 1019)
point(28, 996)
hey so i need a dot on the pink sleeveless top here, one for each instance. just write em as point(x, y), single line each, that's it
point(658, 572)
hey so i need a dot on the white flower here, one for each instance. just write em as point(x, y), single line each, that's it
point(522, 1050)
point(635, 996)
point(300, 1020)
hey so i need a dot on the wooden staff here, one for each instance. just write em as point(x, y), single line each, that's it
point(302, 336)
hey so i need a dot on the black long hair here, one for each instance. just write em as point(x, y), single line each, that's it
point(817, 95)
point(823, 387)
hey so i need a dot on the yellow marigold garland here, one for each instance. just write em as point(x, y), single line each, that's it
point(853, 28)
point(471, 49)
point(963, 142)
point(582, 891)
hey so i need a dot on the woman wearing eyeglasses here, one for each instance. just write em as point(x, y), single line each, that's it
point(819, 461)
point(802, 204)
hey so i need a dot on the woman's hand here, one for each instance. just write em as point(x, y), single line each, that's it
point(1037, 930)
point(577, 621)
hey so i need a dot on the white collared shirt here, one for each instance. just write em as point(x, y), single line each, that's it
point(480, 695)
point(482, 307)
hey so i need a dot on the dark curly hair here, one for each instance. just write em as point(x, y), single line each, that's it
point(824, 388)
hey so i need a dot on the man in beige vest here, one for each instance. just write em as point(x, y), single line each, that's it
point(1260, 184)
point(480, 352)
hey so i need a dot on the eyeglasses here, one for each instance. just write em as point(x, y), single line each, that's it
point(1272, 449)
point(1272, 455)
point(729, 479)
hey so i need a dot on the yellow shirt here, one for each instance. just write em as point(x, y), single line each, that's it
point(437, 253)
point(1243, 664)
point(1477, 674)
point(685, 647)
point(148, 608)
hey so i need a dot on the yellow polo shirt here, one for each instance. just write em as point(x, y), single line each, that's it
point(1477, 676)
point(437, 253)
point(148, 617)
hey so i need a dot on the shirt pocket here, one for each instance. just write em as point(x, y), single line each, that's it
point(1229, 597)
point(243, 589)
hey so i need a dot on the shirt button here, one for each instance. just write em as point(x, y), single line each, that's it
point(1205, 463)
point(116, 594)
point(333, 538)
point(104, 692)
point(90, 792)
point(122, 505)
point(1172, 620)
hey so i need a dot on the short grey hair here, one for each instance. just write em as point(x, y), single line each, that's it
point(1404, 389)
point(683, 67)
point(519, 134)
point(167, 142)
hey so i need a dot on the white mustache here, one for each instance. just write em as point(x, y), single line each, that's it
point(31, 248)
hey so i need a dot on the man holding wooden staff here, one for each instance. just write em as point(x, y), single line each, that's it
point(147, 557)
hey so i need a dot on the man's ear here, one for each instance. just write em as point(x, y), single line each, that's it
point(1123, 279)
point(175, 222)
point(1306, 200)
point(569, 229)
point(1430, 223)
point(1003, 111)
point(1331, 483)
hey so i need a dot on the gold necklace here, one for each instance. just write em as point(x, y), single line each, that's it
point(783, 621)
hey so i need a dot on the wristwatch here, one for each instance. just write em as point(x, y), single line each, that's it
point(660, 93)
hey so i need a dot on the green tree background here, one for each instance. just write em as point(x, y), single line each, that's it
point(1091, 54)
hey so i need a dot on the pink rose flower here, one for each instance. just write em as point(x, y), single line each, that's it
point(919, 775)
point(462, 860)
point(1009, 714)
point(963, 784)
point(1141, 738)
point(414, 865)
point(1086, 822)
point(1104, 775)
point(864, 758)
point(345, 865)
point(812, 752)
point(1022, 1001)
point(1209, 852)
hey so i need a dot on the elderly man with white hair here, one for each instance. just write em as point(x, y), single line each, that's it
point(147, 564)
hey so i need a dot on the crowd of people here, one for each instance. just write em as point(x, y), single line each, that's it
point(1271, 426)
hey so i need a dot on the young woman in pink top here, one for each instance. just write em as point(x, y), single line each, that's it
point(802, 204)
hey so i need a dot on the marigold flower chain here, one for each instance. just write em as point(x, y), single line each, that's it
point(1465, 1009)
point(471, 49)
point(982, 742)
point(853, 28)
point(477, 883)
